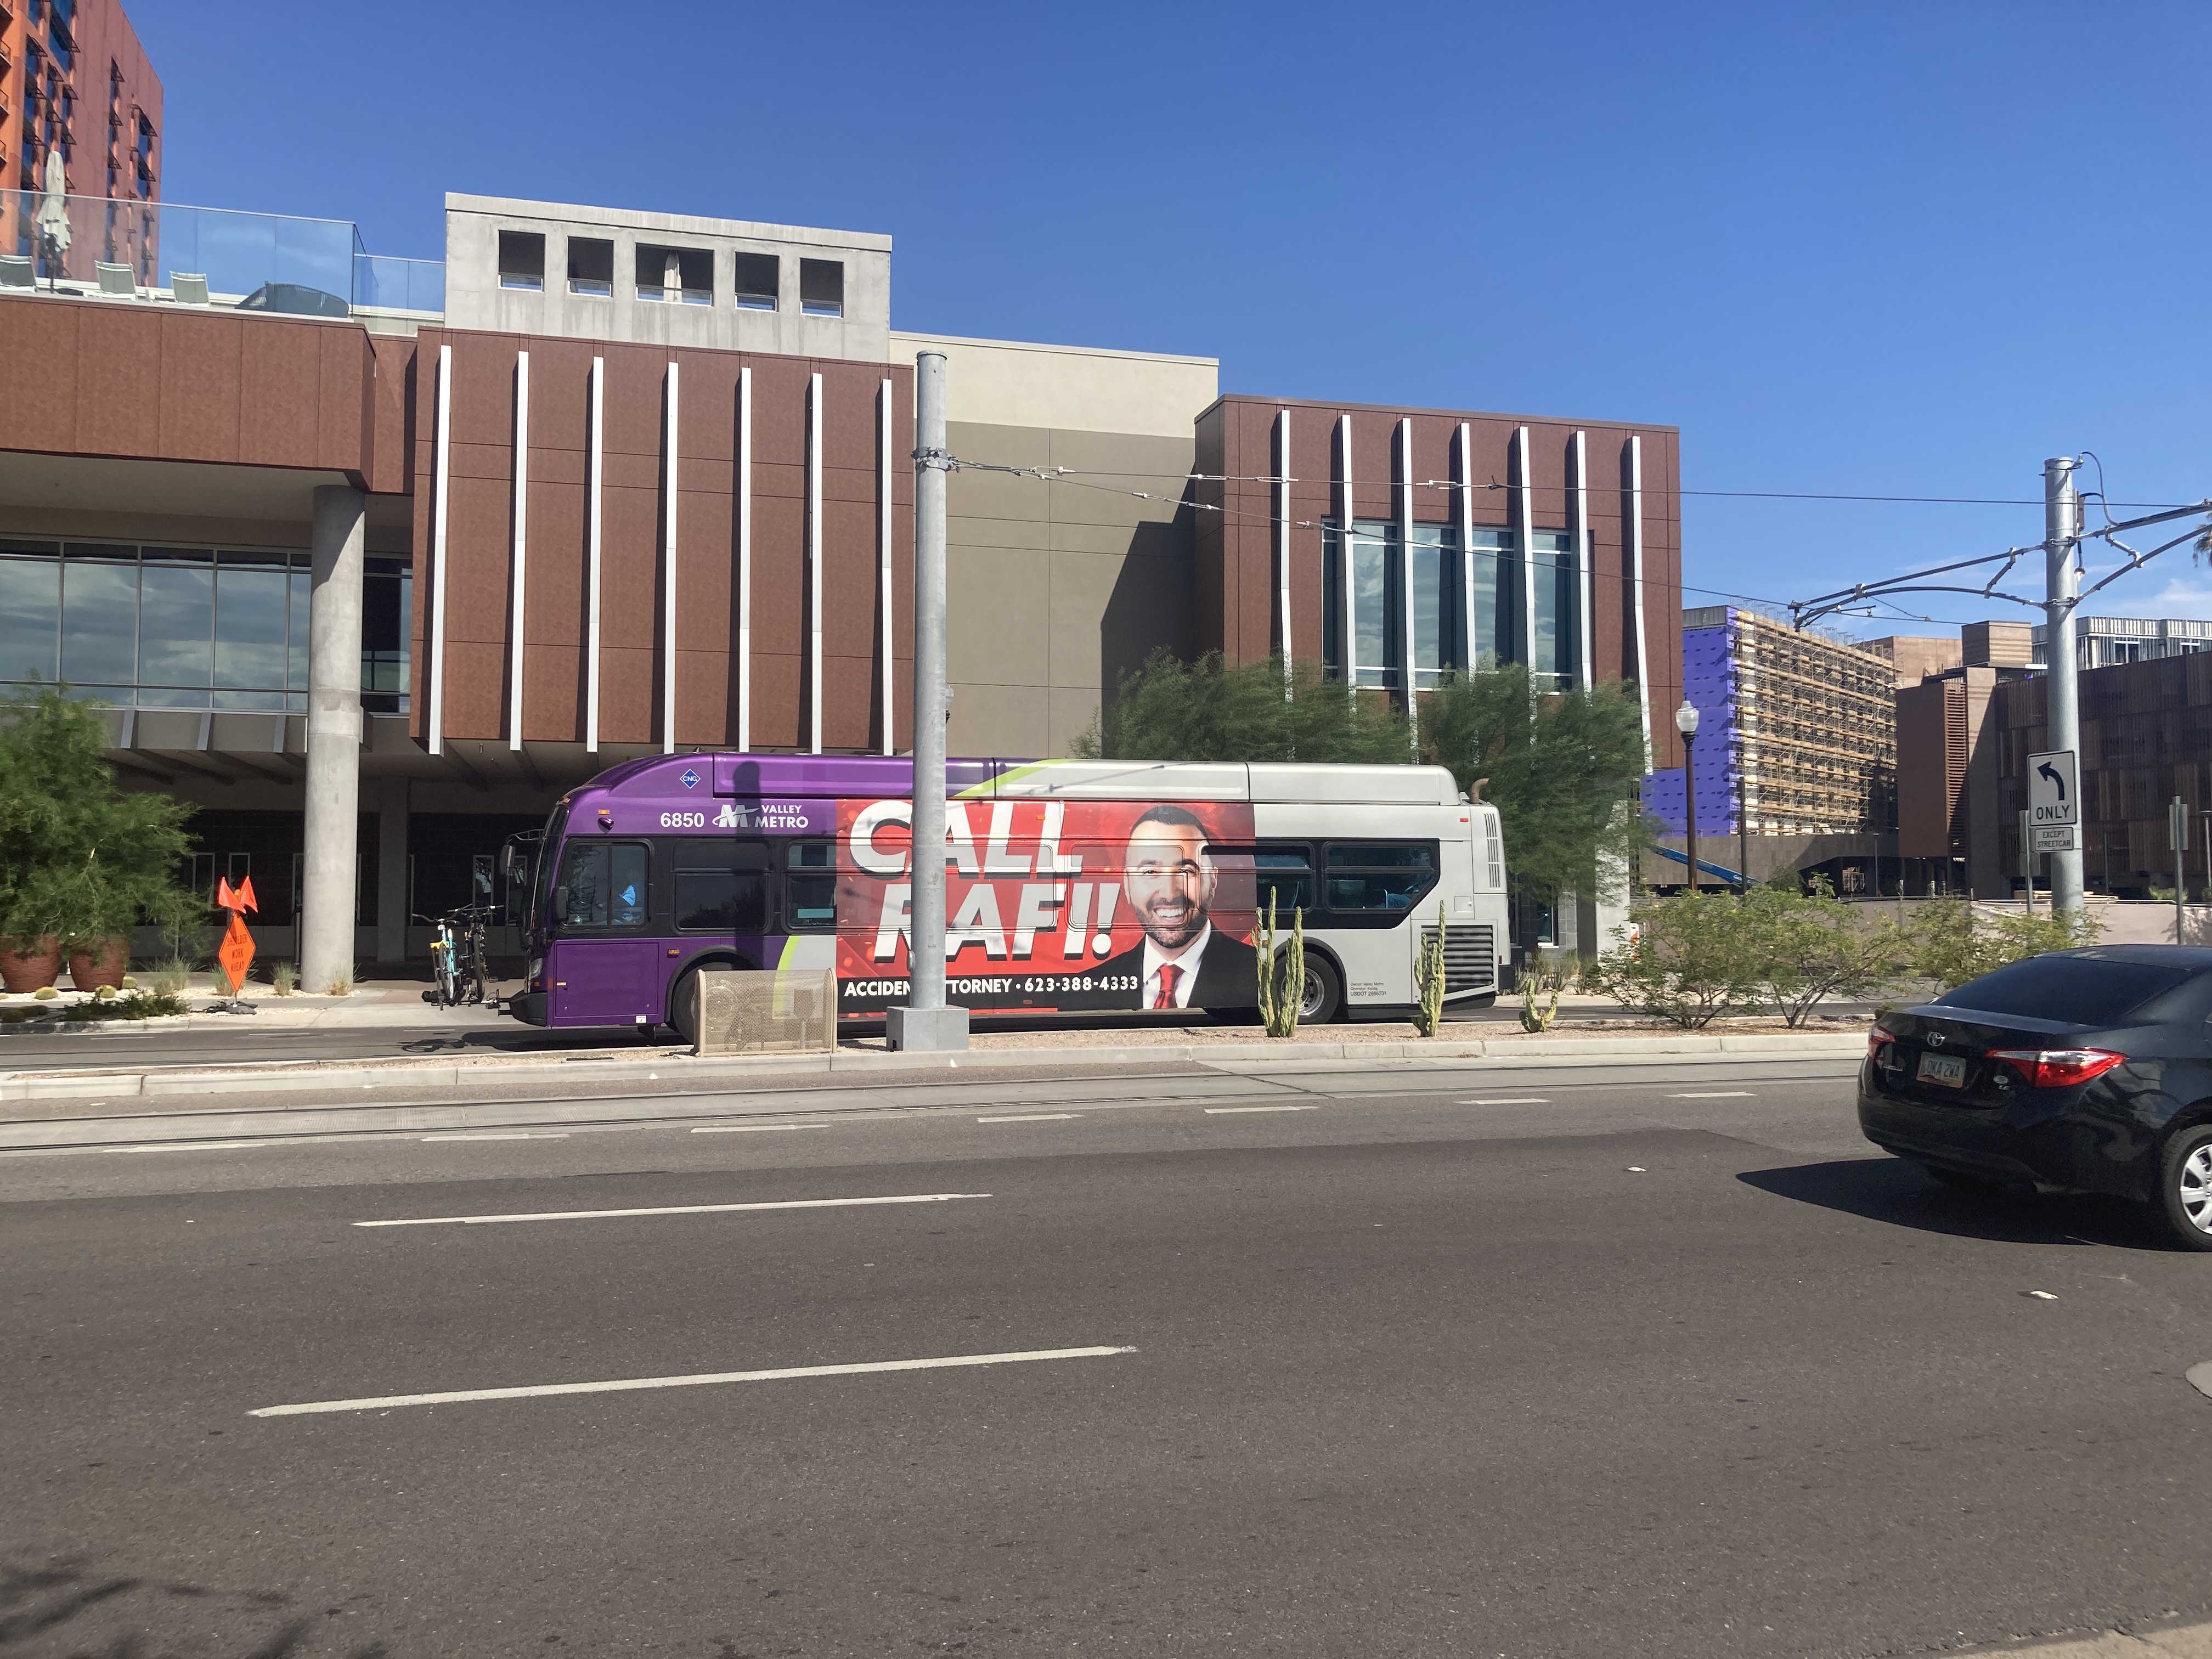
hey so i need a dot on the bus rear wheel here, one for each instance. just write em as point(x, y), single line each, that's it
point(682, 1002)
point(1323, 999)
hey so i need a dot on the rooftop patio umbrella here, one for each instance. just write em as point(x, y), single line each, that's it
point(53, 220)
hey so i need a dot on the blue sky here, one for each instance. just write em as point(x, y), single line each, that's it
point(1889, 249)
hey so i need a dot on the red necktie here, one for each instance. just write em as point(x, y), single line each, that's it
point(1168, 974)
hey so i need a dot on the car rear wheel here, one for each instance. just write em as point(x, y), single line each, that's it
point(2184, 1202)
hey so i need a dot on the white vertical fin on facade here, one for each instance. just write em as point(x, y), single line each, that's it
point(890, 744)
point(1348, 624)
point(1408, 653)
point(668, 475)
point(744, 510)
point(1524, 515)
point(1585, 586)
point(1463, 509)
point(814, 563)
point(514, 634)
point(1636, 578)
point(597, 462)
point(1283, 542)
point(441, 477)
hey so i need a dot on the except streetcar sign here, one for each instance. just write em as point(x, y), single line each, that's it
point(2054, 790)
point(2053, 838)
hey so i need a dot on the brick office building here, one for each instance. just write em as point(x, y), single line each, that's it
point(73, 78)
point(605, 484)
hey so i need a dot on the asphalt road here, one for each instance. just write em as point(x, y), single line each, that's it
point(1652, 1360)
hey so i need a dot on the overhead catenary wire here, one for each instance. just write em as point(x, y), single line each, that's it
point(1051, 475)
point(1072, 474)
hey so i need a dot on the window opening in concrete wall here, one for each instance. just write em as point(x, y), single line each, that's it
point(677, 274)
point(758, 275)
point(822, 288)
point(591, 266)
point(522, 260)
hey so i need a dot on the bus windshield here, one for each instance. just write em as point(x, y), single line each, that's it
point(549, 850)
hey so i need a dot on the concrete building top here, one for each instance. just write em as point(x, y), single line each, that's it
point(689, 224)
point(1067, 388)
point(669, 279)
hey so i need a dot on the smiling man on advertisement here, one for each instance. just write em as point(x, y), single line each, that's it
point(1170, 881)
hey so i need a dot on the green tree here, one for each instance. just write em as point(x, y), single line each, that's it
point(1210, 710)
point(1688, 961)
point(79, 858)
point(1803, 947)
point(1562, 769)
point(1951, 942)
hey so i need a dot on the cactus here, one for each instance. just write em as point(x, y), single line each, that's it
point(1534, 1018)
point(1283, 979)
point(1429, 982)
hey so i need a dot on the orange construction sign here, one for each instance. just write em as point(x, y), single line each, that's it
point(237, 900)
point(236, 955)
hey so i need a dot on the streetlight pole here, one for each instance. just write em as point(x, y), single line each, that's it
point(926, 1022)
point(1685, 722)
point(2062, 529)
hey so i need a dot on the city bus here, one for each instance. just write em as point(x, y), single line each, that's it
point(1073, 887)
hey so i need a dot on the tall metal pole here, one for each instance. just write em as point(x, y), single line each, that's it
point(926, 1022)
point(2176, 824)
point(1742, 815)
point(2062, 529)
point(1689, 804)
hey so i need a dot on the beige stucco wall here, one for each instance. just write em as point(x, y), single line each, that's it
point(1068, 388)
point(1056, 588)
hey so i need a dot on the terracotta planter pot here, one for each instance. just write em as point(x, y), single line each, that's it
point(32, 970)
point(90, 970)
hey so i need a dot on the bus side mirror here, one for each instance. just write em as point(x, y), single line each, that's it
point(559, 905)
point(518, 867)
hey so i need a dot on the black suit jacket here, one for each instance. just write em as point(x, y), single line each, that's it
point(1228, 973)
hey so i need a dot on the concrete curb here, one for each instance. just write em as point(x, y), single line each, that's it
point(683, 1071)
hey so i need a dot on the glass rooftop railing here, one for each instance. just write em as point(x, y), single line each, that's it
point(166, 254)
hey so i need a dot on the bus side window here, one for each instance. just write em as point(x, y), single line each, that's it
point(605, 883)
point(1283, 870)
point(1384, 875)
point(809, 887)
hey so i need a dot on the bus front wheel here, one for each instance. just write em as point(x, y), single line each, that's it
point(1323, 999)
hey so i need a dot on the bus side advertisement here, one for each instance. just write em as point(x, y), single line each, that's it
point(1055, 905)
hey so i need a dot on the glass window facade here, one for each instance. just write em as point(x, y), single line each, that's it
point(163, 627)
point(1469, 605)
point(1559, 628)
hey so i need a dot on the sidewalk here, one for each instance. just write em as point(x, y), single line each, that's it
point(374, 1005)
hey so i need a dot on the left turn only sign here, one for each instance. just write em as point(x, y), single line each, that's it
point(2054, 790)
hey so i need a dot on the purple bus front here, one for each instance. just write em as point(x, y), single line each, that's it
point(660, 867)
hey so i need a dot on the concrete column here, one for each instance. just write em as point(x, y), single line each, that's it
point(334, 728)
point(392, 870)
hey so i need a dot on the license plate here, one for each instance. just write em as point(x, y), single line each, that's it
point(1949, 1070)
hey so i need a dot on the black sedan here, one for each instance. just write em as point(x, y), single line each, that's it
point(2082, 1071)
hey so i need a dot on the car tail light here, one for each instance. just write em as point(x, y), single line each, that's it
point(2057, 1068)
point(1878, 1044)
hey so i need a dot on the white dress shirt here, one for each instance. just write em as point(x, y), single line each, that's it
point(1187, 959)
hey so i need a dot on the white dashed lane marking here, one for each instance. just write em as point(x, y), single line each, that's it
point(671, 1209)
point(700, 1380)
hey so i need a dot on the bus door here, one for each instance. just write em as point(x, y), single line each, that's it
point(602, 965)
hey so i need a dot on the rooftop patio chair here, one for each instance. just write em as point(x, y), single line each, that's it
point(116, 281)
point(17, 271)
point(189, 287)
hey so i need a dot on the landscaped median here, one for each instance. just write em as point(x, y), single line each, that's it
point(1235, 1048)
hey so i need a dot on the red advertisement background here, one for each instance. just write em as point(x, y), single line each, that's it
point(1022, 851)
